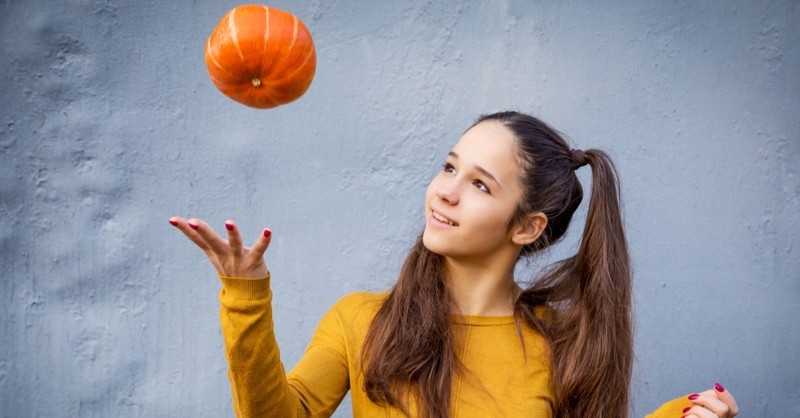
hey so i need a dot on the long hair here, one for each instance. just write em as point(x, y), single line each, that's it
point(408, 351)
point(409, 347)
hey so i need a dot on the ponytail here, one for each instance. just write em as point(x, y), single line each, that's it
point(587, 297)
point(592, 341)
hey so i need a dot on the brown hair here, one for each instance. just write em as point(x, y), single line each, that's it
point(408, 350)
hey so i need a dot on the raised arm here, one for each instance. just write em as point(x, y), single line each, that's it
point(259, 384)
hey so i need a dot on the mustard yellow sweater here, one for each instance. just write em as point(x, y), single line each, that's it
point(500, 378)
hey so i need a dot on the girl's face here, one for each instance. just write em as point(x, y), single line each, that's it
point(469, 203)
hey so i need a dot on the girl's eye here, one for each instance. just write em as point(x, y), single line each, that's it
point(481, 186)
point(448, 168)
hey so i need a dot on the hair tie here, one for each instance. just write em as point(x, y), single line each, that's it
point(578, 159)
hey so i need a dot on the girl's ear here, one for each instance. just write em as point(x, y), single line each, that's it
point(529, 229)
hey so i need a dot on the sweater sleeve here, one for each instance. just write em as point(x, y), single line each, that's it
point(671, 409)
point(259, 384)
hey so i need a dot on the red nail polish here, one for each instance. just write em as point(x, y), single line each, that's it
point(229, 226)
point(719, 387)
point(267, 233)
point(192, 225)
point(694, 396)
point(685, 410)
point(173, 223)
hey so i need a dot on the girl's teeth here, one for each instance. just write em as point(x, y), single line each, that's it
point(443, 219)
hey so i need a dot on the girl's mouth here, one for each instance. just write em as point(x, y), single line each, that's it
point(443, 219)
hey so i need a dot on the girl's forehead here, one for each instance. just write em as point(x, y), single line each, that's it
point(487, 140)
point(490, 146)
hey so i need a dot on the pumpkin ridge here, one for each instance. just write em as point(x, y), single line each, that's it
point(266, 29)
point(294, 37)
point(235, 34)
point(276, 66)
point(267, 94)
point(260, 100)
point(210, 55)
point(296, 69)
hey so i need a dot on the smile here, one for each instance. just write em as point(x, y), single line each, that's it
point(441, 218)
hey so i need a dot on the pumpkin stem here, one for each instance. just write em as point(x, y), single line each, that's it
point(256, 82)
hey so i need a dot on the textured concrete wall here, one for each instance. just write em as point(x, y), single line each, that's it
point(109, 125)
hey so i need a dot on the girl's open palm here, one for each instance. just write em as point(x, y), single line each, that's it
point(229, 257)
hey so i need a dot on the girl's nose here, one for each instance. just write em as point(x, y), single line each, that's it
point(448, 192)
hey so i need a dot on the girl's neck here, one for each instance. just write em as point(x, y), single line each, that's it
point(479, 288)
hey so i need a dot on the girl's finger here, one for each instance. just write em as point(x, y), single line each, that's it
point(261, 244)
point(190, 233)
point(234, 238)
point(698, 412)
point(711, 403)
point(727, 398)
point(211, 238)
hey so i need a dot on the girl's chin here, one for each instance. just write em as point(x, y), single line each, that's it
point(427, 241)
point(435, 245)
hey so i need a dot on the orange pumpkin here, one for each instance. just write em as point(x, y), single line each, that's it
point(261, 56)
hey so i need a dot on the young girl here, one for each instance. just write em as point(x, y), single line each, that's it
point(457, 336)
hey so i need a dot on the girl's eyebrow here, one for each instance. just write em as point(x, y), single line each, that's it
point(480, 169)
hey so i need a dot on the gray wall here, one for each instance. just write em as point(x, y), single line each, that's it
point(109, 125)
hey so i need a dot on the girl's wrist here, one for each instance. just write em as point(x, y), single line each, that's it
point(245, 288)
